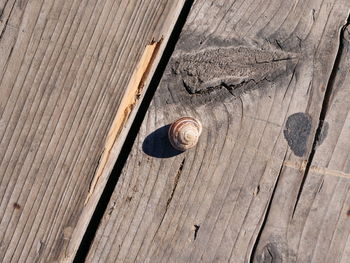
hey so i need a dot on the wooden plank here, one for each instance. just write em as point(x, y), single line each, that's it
point(255, 73)
point(318, 228)
point(64, 68)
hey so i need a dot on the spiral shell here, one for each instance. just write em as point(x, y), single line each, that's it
point(184, 133)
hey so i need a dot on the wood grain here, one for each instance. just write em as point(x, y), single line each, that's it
point(232, 197)
point(64, 68)
point(126, 106)
point(318, 229)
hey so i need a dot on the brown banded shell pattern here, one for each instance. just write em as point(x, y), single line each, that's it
point(184, 133)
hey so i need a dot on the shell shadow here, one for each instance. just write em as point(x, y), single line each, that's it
point(157, 144)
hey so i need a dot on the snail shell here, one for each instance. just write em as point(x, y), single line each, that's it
point(184, 133)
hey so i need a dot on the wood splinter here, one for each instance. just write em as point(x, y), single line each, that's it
point(131, 97)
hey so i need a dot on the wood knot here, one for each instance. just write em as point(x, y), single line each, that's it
point(229, 69)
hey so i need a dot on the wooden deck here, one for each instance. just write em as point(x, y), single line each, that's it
point(269, 179)
point(64, 68)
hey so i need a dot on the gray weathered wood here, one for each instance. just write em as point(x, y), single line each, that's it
point(318, 228)
point(64, 67)
point(255, 73)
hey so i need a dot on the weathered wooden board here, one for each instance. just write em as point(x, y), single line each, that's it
point(256, 74)
point(318, 228)
point(64, 67)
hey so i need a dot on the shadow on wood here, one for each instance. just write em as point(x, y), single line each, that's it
point(157, 144)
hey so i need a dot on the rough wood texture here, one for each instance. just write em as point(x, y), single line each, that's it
point(317, 228)
point(256, 74)
point(64, 67)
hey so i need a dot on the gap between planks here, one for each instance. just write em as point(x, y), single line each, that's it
point(130, 98)
point(118, 144)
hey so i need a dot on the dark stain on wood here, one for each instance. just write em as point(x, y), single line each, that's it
point(297, 131)
point(16, 206)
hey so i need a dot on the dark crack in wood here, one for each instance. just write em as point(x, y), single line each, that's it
point(177, 178)
point(254, 255)
point(196, 229)
point(343, 41)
